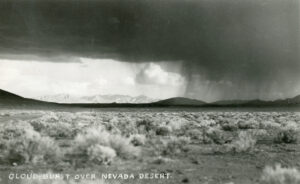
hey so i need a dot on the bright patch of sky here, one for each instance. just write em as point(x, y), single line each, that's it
point(91, 77)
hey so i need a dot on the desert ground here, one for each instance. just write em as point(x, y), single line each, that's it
point(141, 147)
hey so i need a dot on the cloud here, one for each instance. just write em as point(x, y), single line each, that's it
point(33, 79)
point(129, 81)
point(62, 58)
point(153, 74)
point(253, 44)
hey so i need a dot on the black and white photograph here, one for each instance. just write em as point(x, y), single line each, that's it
point(149, 91)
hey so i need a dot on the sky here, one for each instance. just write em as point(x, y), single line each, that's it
point(90, 77)
point(203, 49)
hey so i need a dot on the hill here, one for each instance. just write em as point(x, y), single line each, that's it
point(5, 95)
point(8, 99)
point(180, 101)
point(258, 103)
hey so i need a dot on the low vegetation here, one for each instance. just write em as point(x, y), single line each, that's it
point(21, 144)
point(244, 143)
point(280, 175)
point(102, 138)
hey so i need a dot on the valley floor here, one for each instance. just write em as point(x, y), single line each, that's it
point(179, 147)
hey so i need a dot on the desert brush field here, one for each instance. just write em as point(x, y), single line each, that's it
point(95, 147)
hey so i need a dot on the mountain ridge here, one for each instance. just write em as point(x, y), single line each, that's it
point(181, 101)
point(66, 98)
point(258, 102)
point(8, 98)
point(9, 95)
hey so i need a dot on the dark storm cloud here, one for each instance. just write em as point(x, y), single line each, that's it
point(49, 58)
point(253, 43)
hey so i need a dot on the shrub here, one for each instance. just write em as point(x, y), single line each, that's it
point(50, 117)
point(229, 126)
point(279, 175)
point(175, 145)
point(101, 154)
point(195, 134)
point(161, 160)
point(248, 124)
point(87, 140)
point(287, 135)
point(177, 124)
point(216, 135)
point(91, 136)
point(290, 124)
point(146, 124)
point(269, 125)
point(56, 129)
point(260, 134)
point(125, 126)
point(244, 143)
point(206, 123)
point(21, 144)
point(111, 128)
point(138, 139)
point(163, 130)
point(123, 147)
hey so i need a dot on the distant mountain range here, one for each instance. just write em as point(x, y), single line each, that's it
point(12, 100)
point(66, 98)
point(180, 101)
point(257, 103)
